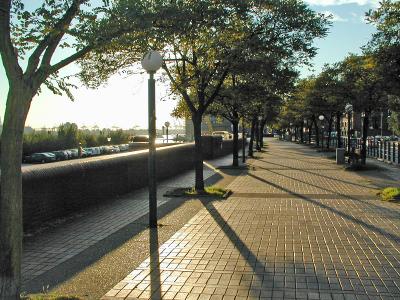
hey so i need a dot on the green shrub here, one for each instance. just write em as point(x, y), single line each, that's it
point(390, 194)
point(210, 190)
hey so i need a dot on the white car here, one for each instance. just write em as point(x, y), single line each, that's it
point(225, 134)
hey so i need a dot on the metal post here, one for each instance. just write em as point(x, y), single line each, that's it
point(167, 134)
point(381, 124)
point(322, 138)
point(152, 154)
point(243, 143)
point(348, 132)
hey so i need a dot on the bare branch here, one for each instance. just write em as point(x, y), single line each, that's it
point(182, 91)
point(51, 40)
point(8, 54)
point(81, 53)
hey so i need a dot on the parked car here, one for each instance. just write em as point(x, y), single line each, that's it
point(96, 151)
point(115, 149)
point(61, 155)
point(74, 153)
point(44, 157)
point(106, 149)
point(123, 147)
point(225, 134)
point(140, 139)
point(86, 152)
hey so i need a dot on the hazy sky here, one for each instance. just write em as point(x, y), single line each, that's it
point(123, 101)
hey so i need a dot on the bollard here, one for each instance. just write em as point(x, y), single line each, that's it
point(340, 160)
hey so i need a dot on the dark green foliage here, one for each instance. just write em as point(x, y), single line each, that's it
point(69, 136)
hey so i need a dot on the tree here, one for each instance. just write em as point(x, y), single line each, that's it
point(298, 108)
point(385, 47)
point(33, 37)
point(202, 39)
point(68, 135)
point(385, 43)
point(329, 97)
point(365, 86)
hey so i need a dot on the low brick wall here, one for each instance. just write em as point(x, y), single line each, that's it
point(54, 190)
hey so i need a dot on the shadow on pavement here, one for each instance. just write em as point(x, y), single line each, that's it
point(89, 256)
point(373, 228)
point(69, 268)
point(391, 212)
point(310, 172)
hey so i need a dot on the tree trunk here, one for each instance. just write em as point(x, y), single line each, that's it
point(338, 130)
point(364, 139)
point(251, 142)
point(243, 142)
point(262, 125)
point(329, 132)
point(11, 222)
point(302, 134)
point(235, 150)
point(198, 152)
point(309, 133)
point(257, 135)
point(316, 132)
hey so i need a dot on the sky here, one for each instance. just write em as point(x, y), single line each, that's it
point(122, 102)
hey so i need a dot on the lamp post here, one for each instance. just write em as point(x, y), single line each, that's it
point(322, 118)
point(166, 126)
point(348, 109)
point(151, 62)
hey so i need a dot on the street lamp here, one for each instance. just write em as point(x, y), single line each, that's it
point(322, 118)
point(166, 126)
point(151, 62)
point(348, 109)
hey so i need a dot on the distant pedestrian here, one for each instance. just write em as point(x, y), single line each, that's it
point(80, 150)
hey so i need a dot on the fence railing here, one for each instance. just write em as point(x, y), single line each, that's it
point(388, 151)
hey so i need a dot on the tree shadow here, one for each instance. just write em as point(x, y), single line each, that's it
point(391, 212)
point(391, 236)
point(74, 265)
point(313, 173)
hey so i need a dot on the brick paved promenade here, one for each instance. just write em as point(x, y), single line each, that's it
point(296, 227)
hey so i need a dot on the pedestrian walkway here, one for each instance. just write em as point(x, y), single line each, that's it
point(46, 255)
point(297, 226)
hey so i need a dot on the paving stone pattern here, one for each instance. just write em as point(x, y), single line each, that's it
point(296, 227)
point(44, 251)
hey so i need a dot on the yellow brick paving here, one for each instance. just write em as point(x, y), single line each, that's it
point(296, 227)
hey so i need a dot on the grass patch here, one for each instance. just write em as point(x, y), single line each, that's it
point(49, 297)
point(390, 194)
point(208, 191)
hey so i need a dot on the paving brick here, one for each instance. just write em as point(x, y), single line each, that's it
point(297, 226)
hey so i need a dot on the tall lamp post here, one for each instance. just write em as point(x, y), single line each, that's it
point(322, 118)
point(151, 62)
point(348, 109)
point(166, 126)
